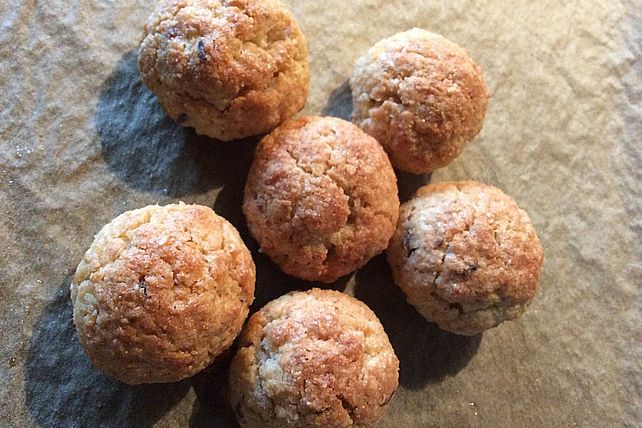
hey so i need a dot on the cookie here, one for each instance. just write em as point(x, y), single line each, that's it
point(318, 358)
point(320, 198)
point(161, 292)
point(466, 256)
point(421, 96)
point(228, 69)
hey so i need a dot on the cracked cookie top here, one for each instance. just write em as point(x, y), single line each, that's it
point(421, 96)
point(161, 292)
point(320, 198)
point(318, 358)
point(465, 255)
point(230, 69)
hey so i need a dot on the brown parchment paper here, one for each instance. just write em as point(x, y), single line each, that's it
point(82, 141)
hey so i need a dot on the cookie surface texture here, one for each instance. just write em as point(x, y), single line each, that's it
point(320, 198)
point(228, 69)
point(421, 96)
point(318, 358)
point(466, 256)
point(161, 292)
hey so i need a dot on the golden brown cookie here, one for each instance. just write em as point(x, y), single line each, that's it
point(318, 358)
point(161, 292)
point(229, 69)
point(320, 198)
point(466, 256)
point(421, 96)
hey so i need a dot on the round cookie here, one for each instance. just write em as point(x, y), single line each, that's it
point(466, 256)
point(320, 198)
point(421, 96)
point(229, 69)
point(318, 358)
point(161, 292)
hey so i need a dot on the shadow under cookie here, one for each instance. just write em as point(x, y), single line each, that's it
point(426, 353)
point(340, 102)
point(409, 183)
point(150, 152)
point(63, 388)
point(212, 408)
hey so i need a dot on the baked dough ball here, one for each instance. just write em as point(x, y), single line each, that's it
point(320, 198)
point(161, 292)
point(421, 96)
point(318, 358)
point(229, 69)
point(466, 256)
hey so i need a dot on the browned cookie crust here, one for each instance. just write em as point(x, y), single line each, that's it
point(229, 69)
point(321, 198)
point(466, 256)
point(421, 96)
point(318, 358)
point(161, 292)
